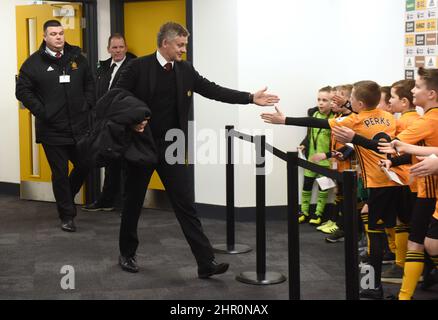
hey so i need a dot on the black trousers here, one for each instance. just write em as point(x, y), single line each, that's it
point(65, 186)
point(112, 183)
point(421, 219)
point(179, 189)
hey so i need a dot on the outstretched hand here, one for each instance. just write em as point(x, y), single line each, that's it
point(426, 167)
point(339, 101)
point(389, 147)
point(274, 117)
point(343, 134)
point(261, 98)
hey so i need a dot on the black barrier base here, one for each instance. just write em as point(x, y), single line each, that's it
point(236, 249)
point(251, 277)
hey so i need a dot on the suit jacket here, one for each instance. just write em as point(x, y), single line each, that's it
point(139, 77)
point(103, 77)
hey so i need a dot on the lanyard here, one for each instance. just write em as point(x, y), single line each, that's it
point(315, 139)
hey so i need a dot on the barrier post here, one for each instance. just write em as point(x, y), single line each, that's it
point(261, 277)
point(351, 235)
point(293, 227)
point(230, 247)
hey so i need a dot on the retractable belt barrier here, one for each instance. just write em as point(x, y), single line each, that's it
point(260, 277)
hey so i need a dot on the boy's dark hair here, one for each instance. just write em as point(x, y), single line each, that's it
point(387, 91)
point(51, 23)
point(326, 89)
point(430, 76)
point(116, 36)
point(171, 30)
point(403, 89)
point(368, 92)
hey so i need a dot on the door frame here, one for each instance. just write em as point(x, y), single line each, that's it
point(117, 20)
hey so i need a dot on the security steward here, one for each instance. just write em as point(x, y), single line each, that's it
point(56, 85)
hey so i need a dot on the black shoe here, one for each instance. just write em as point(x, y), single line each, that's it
point(375, 294)
point(388, 258)
point(337, 236)
point(97, 206)
point(128, 264)
point(68, 225)
point(393, 275)
point(430, 279)
point(212, 268)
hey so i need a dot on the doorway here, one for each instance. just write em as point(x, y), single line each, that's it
point(35, 173)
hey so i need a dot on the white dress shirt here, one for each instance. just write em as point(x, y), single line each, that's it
point(118, 64)
point(162, 60)
point(53, 53)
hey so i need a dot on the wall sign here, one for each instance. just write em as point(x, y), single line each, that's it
point(421, 36)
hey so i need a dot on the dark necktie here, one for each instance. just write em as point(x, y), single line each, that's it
point(58, 55)
point(110, 74)
point(112, 69)
point(168, 66)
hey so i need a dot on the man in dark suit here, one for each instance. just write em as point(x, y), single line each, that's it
point(165, 83)
point(108, 73)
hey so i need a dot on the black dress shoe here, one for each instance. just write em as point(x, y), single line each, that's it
point(68, 225)
point(128, 264)
point(375, 294)
point(206, 271)
point(97, 206)
point(430, 279)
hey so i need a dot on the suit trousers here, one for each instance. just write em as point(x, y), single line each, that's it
point(112, 183)
point(178, 188)
point(65, 186)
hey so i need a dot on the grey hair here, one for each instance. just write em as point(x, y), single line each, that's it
point(170, 31)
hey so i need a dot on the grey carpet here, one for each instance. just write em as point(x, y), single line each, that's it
point(33, 250)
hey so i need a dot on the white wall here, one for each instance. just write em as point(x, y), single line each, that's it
point(295, 47)
point(9, 154)
point(103, 28)
point(222, 23)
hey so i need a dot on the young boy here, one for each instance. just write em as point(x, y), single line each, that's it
point(422, 132)
point(341, 156)
point(385, 96)
point(427, 166)
point(402, 102)
point(318, 142)
point(372, 123)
